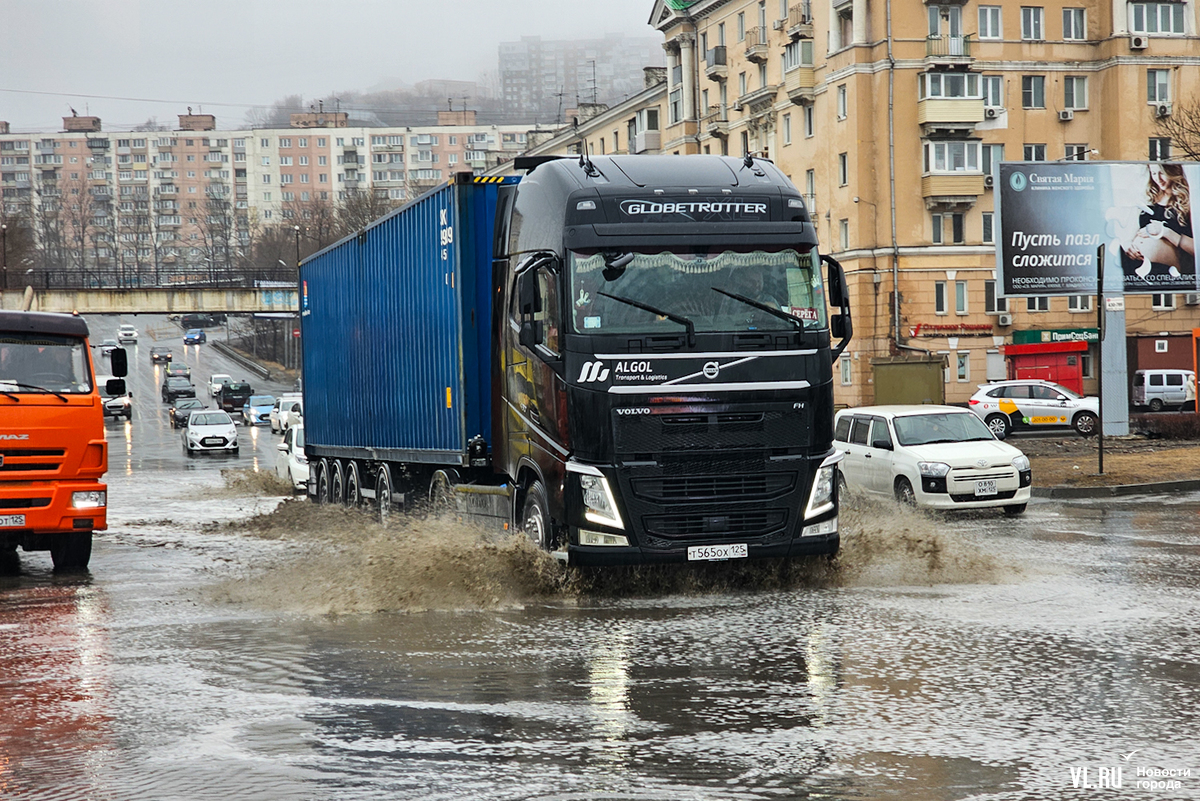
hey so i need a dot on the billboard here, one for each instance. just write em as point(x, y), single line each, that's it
point(1053, 216)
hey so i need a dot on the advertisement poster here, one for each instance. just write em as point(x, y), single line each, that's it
point(1053, 216)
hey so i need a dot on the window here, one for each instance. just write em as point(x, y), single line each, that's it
point(960, 297)
point(1035, 152)
point(843, 169)
point(989, 22)
point(1038, 303)
point(266, 179)
point(942, 221)
point(721, 33)
point(948, 84)
point(810, 125)
point(302, 142)
point(322, 160)
point(798, 54)
point(1156, 17)
point(1075, 92)
point(939, 297)
point(285, 161)
point(993, 91)
point(1160, 148)
point(762, 76)
point(1033, 91)
point(991, 303)
point(845, 366)
point(1086, 368)
point(989, 232)
point(1158, 86)
point(952, 156)
point(261, 142)
point(1031, 23)
point(844, 234)
point(992, 155)
point(676, 104)
point(1162, 302)
point(963, 366)
point(1079, 303)
point(1074, 24)
point(787, 129)
point(842, 102)
point(741, 26)
point(741, 83)
point(304, 161)
point(285, 142)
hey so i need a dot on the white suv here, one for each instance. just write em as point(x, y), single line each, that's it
point(1033, 403)
point(937, 456)
point(127, 333)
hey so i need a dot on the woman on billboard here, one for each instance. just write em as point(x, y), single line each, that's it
point(1163, 244)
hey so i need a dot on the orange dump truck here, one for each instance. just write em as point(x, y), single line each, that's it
point(53, 454)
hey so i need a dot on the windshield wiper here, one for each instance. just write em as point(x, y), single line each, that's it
point(675, 318)
point(58, 395)
point(768, 308)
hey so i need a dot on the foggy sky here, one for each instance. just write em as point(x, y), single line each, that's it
point(223, 56)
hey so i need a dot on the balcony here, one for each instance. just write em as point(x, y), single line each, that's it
point(715, 122)
point(800, 21)
point(800, 84)
point(715, 66)
point(759, 100)
point(756, 44)
point(946, 50)
point(647, 142)
point(949, 115)
point(97, 144)
point(951, 191)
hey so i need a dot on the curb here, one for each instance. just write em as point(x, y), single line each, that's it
point(1159, 488)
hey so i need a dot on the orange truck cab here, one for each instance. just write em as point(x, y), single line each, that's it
point(53, 453)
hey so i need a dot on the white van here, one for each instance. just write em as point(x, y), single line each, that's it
point(1164, 389)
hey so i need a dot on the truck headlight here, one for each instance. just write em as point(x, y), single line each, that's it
point(599, 503)
point(90, 499)
point(820, 498)
point(933, 469)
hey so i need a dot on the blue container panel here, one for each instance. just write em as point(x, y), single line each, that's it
point(396, 319)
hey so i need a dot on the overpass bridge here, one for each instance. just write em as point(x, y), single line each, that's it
point(154, 300)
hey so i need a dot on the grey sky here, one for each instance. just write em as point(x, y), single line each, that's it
point(226, 55)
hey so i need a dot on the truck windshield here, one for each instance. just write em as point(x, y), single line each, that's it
point(686, 283)
point(33, 363)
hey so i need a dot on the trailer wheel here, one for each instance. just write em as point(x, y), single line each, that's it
point(337, 482)
point(383, 493)
point(535, 516)
point(322, 481)
point(441, 491)
point(353, 492)
point(71, 551)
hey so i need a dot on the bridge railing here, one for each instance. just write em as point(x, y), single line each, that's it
point(125, 279)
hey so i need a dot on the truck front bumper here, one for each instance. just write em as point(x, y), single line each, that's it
point(46, 507)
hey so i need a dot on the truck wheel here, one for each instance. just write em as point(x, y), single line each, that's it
point(535, 516)
point(999, 424)
point(383, 494)
point(322, 481)
point(338, 483)
point(441, 491)
point(71, 551)
point(353, 492)
point(1084, 424)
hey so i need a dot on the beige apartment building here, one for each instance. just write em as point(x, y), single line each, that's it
point(889, 116)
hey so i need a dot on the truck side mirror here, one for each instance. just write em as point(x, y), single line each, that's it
point(115, 386)
point(528, 300)
point(118, 360)
point(531, 333)
point(840, 325)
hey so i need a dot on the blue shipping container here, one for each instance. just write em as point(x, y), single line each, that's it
point(396, 325)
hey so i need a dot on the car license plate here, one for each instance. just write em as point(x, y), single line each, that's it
point(983, 488)
point(221, 441)
point(12, 521)
point(710, 553)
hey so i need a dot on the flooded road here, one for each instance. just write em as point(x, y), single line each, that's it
point(220, 649)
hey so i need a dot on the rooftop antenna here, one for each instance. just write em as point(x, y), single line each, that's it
point(585, 159)
point(595, 87)
point(560, 94)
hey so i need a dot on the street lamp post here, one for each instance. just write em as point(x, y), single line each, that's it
point(4, 254)
point(297, 229)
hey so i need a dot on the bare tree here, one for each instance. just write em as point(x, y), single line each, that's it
point(361, 208)
point(75, 220)
point(216, 224)
point(1182, 127)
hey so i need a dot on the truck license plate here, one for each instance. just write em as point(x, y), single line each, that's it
point(710, 553)
point(12, 521)
point(983, 488)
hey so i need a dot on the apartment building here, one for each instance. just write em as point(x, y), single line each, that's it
point(145, 202)
point(889, 117)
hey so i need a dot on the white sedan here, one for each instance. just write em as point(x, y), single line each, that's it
point(210, 430)
point(938, 456)
point(292, 465)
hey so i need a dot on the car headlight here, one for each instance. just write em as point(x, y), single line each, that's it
point(1021, 463)
point(820, 498)
point(933, 469)
point(90, 499)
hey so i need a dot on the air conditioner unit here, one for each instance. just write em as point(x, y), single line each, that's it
point(780, 24)
point(1162, 110)
point(1139, 42)
point(1004, 320)
point(1066, 115)
point(1192, 299)
point(737, 106)
point(991, 113)
point(988, 181)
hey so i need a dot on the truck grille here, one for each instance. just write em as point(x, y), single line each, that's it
point(707, 488)
point(666, 433)
point(28, 460)
point(715, 524)
point(24, 503)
